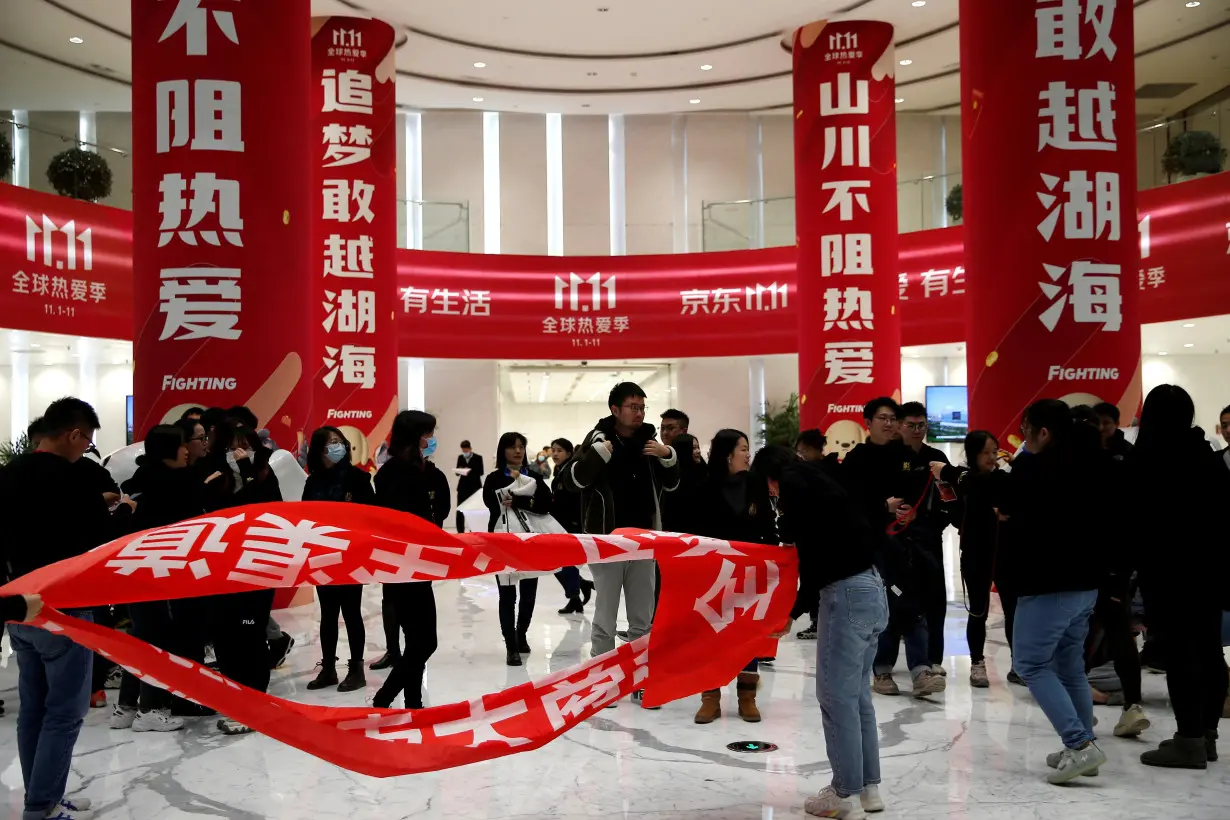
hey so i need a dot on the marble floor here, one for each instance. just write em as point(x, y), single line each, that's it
point(965, 754)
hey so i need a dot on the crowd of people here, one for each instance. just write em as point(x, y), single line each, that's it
point(1065, 532)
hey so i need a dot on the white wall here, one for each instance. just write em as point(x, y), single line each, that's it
point(1206, 378)
point(6, 415)
point(464, 398)
point(543, 423)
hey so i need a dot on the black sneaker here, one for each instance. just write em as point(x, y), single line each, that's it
point(279, 650)
point(638, 697)
point(1013, 677)
point(386, 661)
point(808, 634)
point(622, 635)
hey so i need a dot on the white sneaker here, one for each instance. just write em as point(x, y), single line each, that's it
point(62, 812)
point(1053, 759)
point(230, 726)
point(77, 803)
point(122, 717)
point(1074, 763)
point(157, 720)
point(1132, 722)
point(871, 800)
point(828, 804)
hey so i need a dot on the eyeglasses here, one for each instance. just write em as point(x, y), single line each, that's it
point(197, 438)
point(916, 425)
point(885, 419)
point(636, 408)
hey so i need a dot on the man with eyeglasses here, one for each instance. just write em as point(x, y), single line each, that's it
point(876, 474)
point(621, 471)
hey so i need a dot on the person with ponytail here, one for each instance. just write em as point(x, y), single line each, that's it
point(1058, 503)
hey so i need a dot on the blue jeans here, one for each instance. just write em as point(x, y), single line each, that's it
point(853, 614)
point(911, 627)
point(1048, 643)
point(54, 686)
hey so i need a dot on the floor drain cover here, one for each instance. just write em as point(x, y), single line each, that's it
point(752, 747)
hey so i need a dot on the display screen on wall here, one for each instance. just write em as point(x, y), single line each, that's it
point(947, 413)
point(128, 403)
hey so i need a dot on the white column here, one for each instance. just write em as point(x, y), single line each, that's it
point(87, 131)
point(617, 166)
point(756, 401)
point(19, 399)
point(21, 148)
point(491, 182)
point(679, 164)
point(412, 383)
point(412, 178)
point(555, 185)
point(87, 369)
point(755, 177)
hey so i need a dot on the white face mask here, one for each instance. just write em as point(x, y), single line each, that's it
point(230, 459)
point(466, 456)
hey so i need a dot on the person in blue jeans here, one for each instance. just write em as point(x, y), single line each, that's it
point(1058, 504)
point(846, 591)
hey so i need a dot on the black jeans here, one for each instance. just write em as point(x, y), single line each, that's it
point(570, 579)
point(388, 619)
point(414, 604)
point(935, 609)
point(101, 669)
point(151, 622)
point(977, 577)
point(346, 600)
point(238, 621)
point(1115, 618)
point(1187, 623)
point(524, 612)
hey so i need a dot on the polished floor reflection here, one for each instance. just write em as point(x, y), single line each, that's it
point(968, 754)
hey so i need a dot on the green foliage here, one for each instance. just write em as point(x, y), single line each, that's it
point(1194, 152)
point(10, 450)
point(6, 155)
point(80, 174)
point(953, 203)
point(781, 424)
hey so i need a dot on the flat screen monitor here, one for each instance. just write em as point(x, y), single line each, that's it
point(947, 413)
point(130, 420)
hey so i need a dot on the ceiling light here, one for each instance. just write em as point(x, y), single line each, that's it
point(907, 62)
point(694, 102)
point(899, 100)
point(1189, 324)
point(706, 67)
point(480, 65)
point(478, 99)
point(1189, 344)
point(918, 3)
point(1162, 353)
point(78, 41)
point(932, 176)
point(1193, 3)
point(32, 344)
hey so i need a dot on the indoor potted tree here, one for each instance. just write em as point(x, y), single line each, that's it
point(6, 156)
point(1193, 153)
point(10, 450)
point(781, 425)
point(953, 203)
point(80, 174)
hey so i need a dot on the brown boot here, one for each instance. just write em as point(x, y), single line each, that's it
point(710, 706)
point(748, 683)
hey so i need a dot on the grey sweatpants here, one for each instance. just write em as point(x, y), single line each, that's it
point(635, 580)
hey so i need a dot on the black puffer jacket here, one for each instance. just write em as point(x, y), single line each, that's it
point(164, 495)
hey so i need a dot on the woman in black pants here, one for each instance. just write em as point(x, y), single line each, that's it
point(166, 492)
point(410, 483)
point(504, 505)
point(977, 487)
point(566, 509)
point(332, 477)
point(1177, 488)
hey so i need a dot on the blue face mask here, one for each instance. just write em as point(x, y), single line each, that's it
point(335, 452)
point(430, 449)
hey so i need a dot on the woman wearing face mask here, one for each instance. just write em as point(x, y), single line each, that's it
point(410, 483)
point(331, 477)
point(507, 490)
point(733, 505)
point(979, 487)
point(241, 475)
point(166, 492)
point(566, 509)
point(679, 507)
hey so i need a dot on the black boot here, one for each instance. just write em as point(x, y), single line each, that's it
point(523, 646)
point(387, 661)
point(587, 590)
point(1210, 746)
point(575, 607)
point(354, 676)
point(510, 644)
point(327, 676)
point(1180, 753)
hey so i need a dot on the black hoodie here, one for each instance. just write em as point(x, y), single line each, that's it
point(164, 495)
point(344, 482)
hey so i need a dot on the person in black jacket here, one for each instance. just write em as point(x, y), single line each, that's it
point(471, 482)
point(846, 591)
point(1176, 490)
point(810, 446)
point(566, 509)
point(332, 477)
point(733, 505)
point(504, 508)
point(680, 507)
point(49, 488)
point(1059, 506)
point(1113, 440)
point(409, 482)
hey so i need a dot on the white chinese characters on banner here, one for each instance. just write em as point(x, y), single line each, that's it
point(47, 230)
point(1093, 292)
point(1061, 29)
point(350, 311)
point(1094, 113)
point(340, 194)
point(849, 363)
point(357, 366)
point(210, 195)
point(720, 301)
point(346, 146)
point(349, 258)
point(848, 309)
point(848, 254)
point(846, 194)
point(208, 110)
point(348, 91)
point(200, 303)
point(194, 20)
point(1090, 209)
point(855, 144)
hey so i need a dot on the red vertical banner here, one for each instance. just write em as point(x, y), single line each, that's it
point(845, 144)
point(354, 237)
point(221, 183)
point(1051, 244)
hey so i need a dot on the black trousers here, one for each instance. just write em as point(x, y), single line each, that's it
point(388, 620)
point(151, 622)
point(103, 616)
point(238, 621)
point(1115, 619)
point(978, 582)
point(414, 604)
point(524, 613)
point(935, 606)
point(1187, 623)
point(346, 600)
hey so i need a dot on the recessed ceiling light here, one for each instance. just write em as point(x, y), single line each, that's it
point(1193, 3)
point(480, 65)
point(706, 67)
point(32, 344)
point(478, 99)
point(918, 3)
point(907, 62)
point(694, 102)
point(1189, 324)
point(1162, 353)
point(899, 100)
point(78, 41)
point(932, 176)
point(1189, 344)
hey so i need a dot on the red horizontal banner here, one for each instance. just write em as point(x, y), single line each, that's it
point(463, 305)
point(719, 602)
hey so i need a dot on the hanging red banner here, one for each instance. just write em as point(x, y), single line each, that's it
point(355, 236)
point(221, 209)
point(720, 601)
point(845, 170)
point(1049, 169)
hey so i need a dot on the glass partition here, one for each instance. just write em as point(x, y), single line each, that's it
point(445, 225)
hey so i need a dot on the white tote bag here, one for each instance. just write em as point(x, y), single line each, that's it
point(522, 521)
